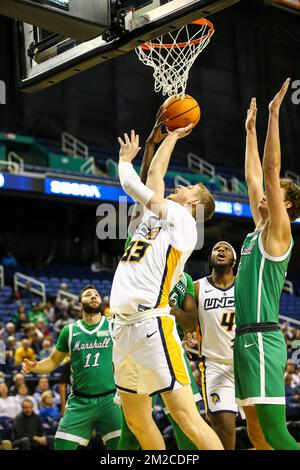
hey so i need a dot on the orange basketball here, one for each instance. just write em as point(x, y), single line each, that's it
point(181, 112)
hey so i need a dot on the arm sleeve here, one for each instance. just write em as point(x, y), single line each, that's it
point(190, 289)
point(62, 344)
point(132, 185)
point(182, 227)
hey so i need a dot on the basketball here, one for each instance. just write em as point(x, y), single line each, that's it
point(181, 112)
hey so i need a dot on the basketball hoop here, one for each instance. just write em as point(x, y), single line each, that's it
point(173, 54)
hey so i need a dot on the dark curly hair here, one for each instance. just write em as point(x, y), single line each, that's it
point(88, 286)
point(292, 194)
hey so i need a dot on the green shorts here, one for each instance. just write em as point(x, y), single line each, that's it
point(259, 365)
point(85, 415)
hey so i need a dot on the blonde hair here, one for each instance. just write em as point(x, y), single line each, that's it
point(45, 395)
point(208, 202)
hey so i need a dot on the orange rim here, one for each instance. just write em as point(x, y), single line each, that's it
point(181, 45)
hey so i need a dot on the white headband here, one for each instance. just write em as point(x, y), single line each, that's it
point(228, 244)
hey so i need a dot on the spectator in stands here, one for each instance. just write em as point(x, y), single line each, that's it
point(20, 319)
point(36, 341)
point(290, 368)
point(18, 379)
point(49, 311)
point(63, 321)
point(5, 444)
point(48, 410)
point(291, 395)
point(10, 330)
point(43, 386)
point(24, 352)
point(105, 306)
point(61, 305)
point(28, 431)
point(40, 325)
point(9, 406)
point(26, 292)
point(9, 261)
point(2, 377)
point(37, 313)
point(64, 287)
point(46, 349)
point(23, 394)
point(10, 351)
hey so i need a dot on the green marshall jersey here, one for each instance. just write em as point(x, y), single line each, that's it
point(184, 286)
point(90, 350)
point(259, 282)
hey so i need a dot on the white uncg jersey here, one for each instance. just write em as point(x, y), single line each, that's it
point(216, 314)
point(152, 264)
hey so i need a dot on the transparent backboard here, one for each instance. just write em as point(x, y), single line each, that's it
point(46, 58)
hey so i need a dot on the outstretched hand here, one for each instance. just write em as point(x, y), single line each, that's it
point(157, 135)
point(129, 147)
point(182, 132)
point(27, 366)
point(276, 102)
point(250, 123)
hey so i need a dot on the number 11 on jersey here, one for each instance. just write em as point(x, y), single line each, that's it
point(94, 358)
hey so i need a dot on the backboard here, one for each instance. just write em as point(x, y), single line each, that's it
point(46, 58)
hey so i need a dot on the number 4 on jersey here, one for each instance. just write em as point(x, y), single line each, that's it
point(228, 320)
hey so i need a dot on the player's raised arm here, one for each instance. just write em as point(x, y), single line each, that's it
point(253, 169)
point(160, 163)
point(156, 137)
point(279, 234)
point(131, 182)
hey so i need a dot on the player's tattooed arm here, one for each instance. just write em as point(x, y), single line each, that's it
point(278, 237)
point(253, 169)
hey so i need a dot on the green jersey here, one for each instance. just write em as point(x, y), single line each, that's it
point(184, 286)
point(259, 282)
point(90, 349)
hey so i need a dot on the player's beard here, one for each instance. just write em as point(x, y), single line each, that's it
point(87, 308)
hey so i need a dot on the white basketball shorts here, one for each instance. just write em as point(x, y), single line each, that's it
point(148, 357)
point(218, 387)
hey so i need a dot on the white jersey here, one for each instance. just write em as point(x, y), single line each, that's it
point(216, 314)
point(152, 264)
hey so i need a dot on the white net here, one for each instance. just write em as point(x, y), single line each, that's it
point(173, 54)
